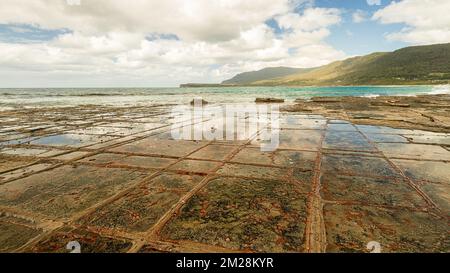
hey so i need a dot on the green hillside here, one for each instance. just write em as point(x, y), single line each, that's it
point(411, 65)
point(264, 74)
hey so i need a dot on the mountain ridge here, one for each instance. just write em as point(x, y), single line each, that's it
point(429, 64)
point(264, 74)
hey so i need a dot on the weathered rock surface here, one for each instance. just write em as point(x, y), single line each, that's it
point(425, 112)
point(269, 100)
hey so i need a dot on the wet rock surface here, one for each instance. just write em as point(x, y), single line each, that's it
point(243, 214)
point(269, 100)
point(347, 171)
point(424, 112)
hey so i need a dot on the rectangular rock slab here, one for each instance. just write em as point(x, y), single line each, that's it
point(371, 191)
point(284, 158)
point(148, 146)
point(341, 140)
point(425, 170)
point(414, 151)
point(358, 165)
point(62, 192)
point(15, 233)
point(213, 152)
point(90, 242)
point(243, 214)
point(351, 228)
point(139, 210)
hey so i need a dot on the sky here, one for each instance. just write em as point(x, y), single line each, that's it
point(154, 43)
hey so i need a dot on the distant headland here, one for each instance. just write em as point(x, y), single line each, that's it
point(416, 65)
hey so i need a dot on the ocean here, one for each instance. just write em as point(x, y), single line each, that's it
point(39, 97)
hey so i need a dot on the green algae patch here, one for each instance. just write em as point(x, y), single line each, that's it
point(67, 190)
point(351, 228)
point(15, 233)
point(373, 191)
point(358, 165)
point(243, 214)
point(140, 209)
point(90, 242)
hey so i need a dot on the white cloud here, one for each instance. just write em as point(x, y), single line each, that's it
point(359, 16)
point(202, 19)
point(374, 2)
point(427, 21)
point(108, 40)
point(311, 19)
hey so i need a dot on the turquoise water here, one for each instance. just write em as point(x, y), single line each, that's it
point(13, 98)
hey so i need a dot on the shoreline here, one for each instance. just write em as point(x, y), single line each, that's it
point(428, 112)
point(41, 98)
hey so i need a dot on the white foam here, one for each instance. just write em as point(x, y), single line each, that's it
point(370, 96)
point(440, 89)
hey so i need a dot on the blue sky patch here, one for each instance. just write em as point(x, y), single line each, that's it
point(355, 38)
point(25, 34)
point(162, 36)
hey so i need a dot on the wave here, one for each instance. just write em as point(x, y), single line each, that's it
point(440, 90)
point(96, 95)
point(370, 96)
point(12, 94)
